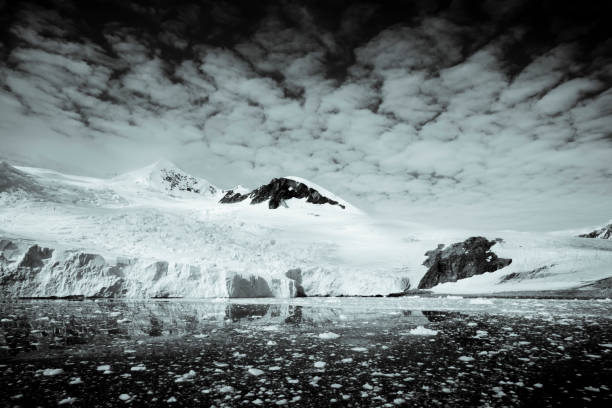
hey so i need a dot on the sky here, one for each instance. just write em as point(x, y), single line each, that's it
point(451, 113)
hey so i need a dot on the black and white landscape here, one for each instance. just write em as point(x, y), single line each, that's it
point(305, 203)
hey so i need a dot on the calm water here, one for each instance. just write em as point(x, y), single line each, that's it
point(307, 352)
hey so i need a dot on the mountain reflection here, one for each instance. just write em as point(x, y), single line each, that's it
point(38, 326)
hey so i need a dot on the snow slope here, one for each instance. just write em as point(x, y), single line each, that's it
point(159, 215)
point(137, 217)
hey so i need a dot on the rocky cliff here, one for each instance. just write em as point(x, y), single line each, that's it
point(277, 191)
point(460, 260)
point(603, 233)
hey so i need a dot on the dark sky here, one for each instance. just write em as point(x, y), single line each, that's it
point(486, 113)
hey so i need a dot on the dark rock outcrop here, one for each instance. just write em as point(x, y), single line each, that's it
point(296, 275)
point(603, 233)
point(35, 257)
point(533, 274)
point(459, 261)
point(12, 179)
point(253, 287)
point(183, 182)
point(277, 191)
point(232, 197)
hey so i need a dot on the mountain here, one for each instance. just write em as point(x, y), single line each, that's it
point(279, 190)
point(602, 233)
point(166, 176)
point(159, 231)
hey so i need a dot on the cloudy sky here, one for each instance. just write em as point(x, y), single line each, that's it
point(453, 113)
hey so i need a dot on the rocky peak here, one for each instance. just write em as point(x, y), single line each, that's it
point(603, 233)
point(461, 260)
point(178, 180)
point(277, 191)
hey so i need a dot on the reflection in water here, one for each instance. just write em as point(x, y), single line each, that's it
point(437, 316)
point(369, 352)
point(250, 312)
point(47, 325)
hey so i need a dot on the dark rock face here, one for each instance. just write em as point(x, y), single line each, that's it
point(253, 287)
point(296, 275)
point(183, 182)
point(35, 258)
point(277, 191)
point(603, 233)
point(459, 261)
point(533, 274)
point(12, 179)
point(230, 197)
point(28, 267)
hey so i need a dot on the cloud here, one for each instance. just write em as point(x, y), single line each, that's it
point(422, 114)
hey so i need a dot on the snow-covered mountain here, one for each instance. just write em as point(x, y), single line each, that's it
point(279, 190)
point(165, 176)
point(602, 233)
point(159, 231)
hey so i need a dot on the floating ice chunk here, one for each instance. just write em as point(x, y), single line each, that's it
point(606, 345)
point(104, 367)
point(189, 376)
point(423, 331)
point(466, 358)
point(328, 336)
point(481, 301)
point(139, 367)
point(68, 400)
point(320, 364)
point(255, 371)
point(360, 349)
point(347, 360)
point(75, 381)
point(481, 333)
point(171, 400)
point(52, 371)
point(315, 380)
point(124, 397)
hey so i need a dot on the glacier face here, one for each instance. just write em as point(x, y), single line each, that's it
point(31, 270)
point(158, 232)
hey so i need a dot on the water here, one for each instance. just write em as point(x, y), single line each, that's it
point(307, 352)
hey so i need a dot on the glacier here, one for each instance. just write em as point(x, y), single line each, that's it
point(160, 232)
